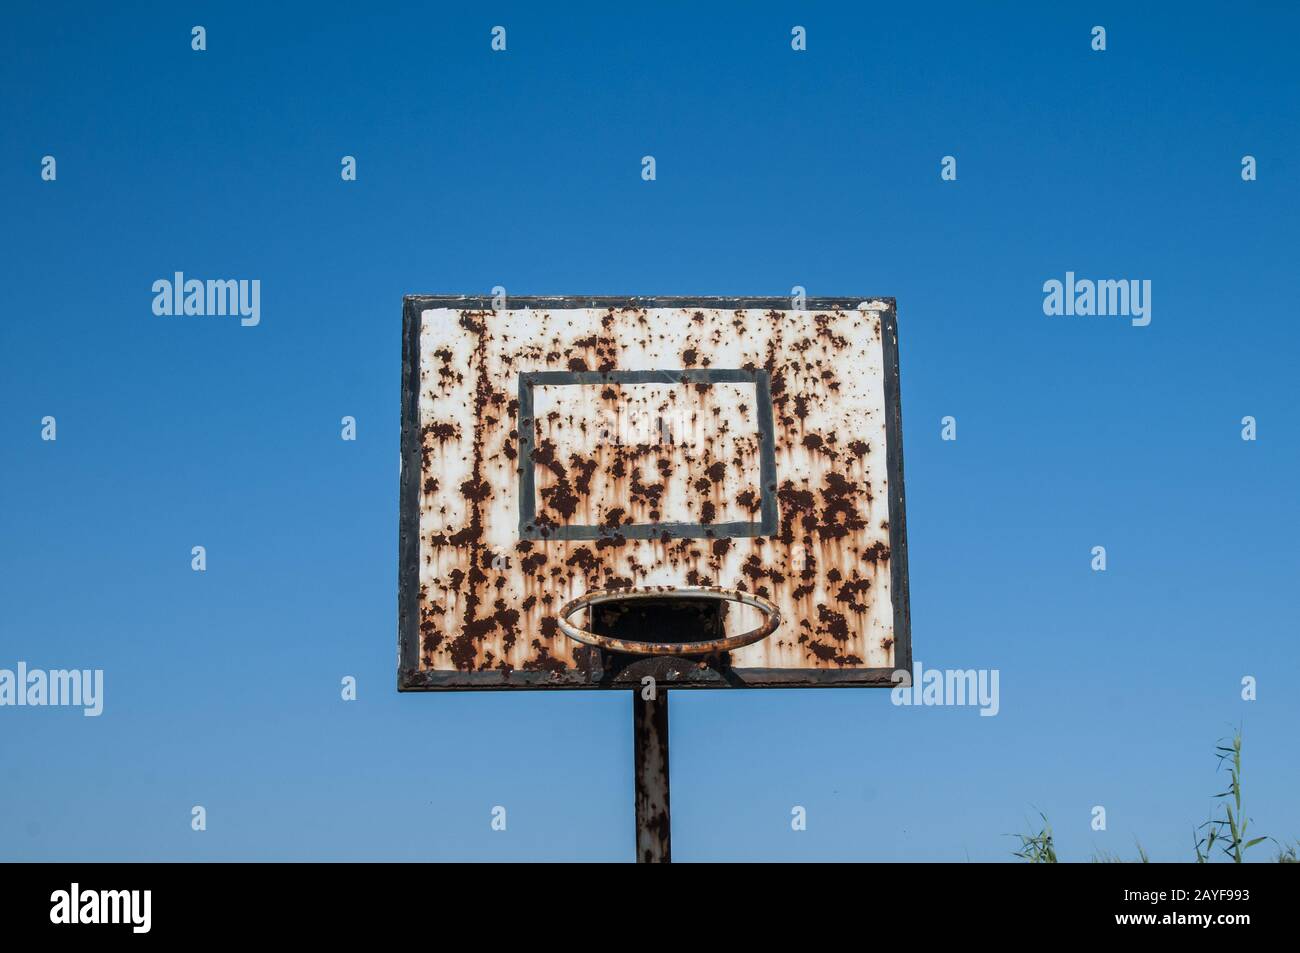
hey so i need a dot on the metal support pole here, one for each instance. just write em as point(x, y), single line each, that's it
point(650, 763)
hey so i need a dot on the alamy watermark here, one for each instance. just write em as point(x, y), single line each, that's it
point(947, 687)
point(1123, 297)
point(220, 296)
point(77, 906)
point(80, 688)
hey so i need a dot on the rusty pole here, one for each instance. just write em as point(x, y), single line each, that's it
point(650, 764)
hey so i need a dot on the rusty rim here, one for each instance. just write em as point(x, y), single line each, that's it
point(602, 596)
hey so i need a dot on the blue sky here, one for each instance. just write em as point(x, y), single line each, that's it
point(775, 169)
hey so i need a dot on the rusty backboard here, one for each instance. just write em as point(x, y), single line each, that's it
point(556, 446)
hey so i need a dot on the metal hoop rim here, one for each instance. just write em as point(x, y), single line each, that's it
point(633, 593)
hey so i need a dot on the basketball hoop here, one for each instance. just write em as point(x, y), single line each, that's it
point(662, 594)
